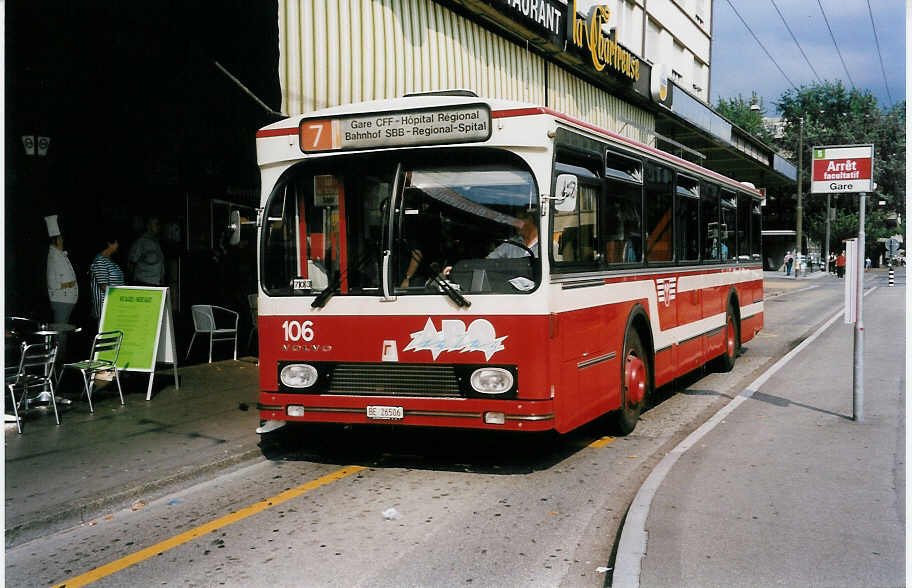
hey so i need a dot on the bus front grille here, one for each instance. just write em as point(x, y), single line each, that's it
point(394, 380)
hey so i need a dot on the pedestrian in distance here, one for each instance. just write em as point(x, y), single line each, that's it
point(840, 265)
point(867, 263)
point(789, 260)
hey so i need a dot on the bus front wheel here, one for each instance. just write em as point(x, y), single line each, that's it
point(635, 382)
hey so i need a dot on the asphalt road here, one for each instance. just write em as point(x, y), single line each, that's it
point(419, 507)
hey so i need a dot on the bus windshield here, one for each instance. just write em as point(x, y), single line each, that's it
point(468, 217)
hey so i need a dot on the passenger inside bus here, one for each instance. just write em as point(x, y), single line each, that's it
point(622, 243)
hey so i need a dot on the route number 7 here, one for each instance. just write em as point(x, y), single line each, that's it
point(316, 135)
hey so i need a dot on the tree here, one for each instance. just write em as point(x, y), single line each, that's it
point(833, 115)
point(740, 112)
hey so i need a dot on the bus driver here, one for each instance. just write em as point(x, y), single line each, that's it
point(528, 232)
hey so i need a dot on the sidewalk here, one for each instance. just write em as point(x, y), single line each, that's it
point(788, 489)
point(57, 477)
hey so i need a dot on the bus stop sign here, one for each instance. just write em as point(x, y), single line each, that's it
point(842, 169)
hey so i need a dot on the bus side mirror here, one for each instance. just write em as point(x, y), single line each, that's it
point(234, 227)
point(565, 193)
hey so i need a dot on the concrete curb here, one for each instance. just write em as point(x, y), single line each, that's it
point(80, 513)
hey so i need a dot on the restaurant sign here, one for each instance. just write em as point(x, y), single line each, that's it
point(568, 31)
point(586, 35)
point(545, 17)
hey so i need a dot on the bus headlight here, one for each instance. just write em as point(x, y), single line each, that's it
point(491, 380)
point(299, 375)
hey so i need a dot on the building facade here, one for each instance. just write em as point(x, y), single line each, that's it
point(639, 68)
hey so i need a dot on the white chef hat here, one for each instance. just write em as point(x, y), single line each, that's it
point(53, 229)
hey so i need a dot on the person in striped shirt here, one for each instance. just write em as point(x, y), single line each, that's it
point(104, 272)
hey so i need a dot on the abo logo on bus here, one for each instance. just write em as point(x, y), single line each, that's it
point(665, 289)
point(454, 336)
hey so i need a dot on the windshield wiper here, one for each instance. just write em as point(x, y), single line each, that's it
point(446, 288)
point(324, 296)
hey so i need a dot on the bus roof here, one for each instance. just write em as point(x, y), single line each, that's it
point(499, 109)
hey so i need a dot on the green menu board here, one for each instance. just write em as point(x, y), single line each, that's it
point(138, 313)
point(144, 316)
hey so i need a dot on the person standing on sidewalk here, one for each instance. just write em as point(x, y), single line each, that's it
point(840, 265)
point(146, 261)
point(788, 262)
point(104, 272)
point(63, 291)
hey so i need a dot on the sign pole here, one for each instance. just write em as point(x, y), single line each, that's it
point(849, 169)
point(858, 372)
point(826, 253)
point(799, 211)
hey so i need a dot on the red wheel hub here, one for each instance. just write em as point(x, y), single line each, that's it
point(635, 379)
point(730, 338)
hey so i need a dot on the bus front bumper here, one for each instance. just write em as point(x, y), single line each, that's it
point(471, 413)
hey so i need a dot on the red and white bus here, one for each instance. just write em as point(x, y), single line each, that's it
point(444, 260)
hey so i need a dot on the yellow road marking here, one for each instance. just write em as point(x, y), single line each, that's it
point(177, 540)
point(601, 442)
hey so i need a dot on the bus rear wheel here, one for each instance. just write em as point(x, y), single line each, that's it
point(635, 382)
point(732, 332)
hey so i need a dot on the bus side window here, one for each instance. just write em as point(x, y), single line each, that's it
point(744, 222)
point(709, 213)
point(623, 234)
point(756, 231)
point(574, 237)
point(687, 219)
point(729, 222)
point(659, 207)
point(576, 231)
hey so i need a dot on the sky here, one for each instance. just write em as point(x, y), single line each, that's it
point(740, 66)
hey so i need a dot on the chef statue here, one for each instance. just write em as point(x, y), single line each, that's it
point(61, 282)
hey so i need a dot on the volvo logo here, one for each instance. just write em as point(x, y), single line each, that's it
point(307, 348)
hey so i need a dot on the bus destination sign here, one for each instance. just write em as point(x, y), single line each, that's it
point(463, 124)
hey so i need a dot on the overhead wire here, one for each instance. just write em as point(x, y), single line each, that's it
point(803, 54)
point(832, 36)
point(879, 55)
point(747, 26)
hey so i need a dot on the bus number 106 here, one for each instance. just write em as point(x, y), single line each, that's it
point(295, 331)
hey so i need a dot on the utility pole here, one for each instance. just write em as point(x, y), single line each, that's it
point(799, 209)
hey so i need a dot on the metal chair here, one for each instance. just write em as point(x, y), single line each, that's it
point(204, 321)
point(252, 302)
point(103, 358)
point(35, 371)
